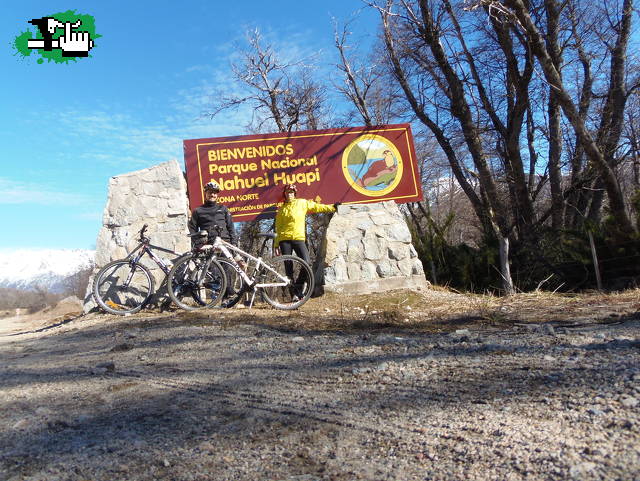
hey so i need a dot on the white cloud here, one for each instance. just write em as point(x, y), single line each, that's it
point(124, 138)
point(129, 141)
point(15, 192)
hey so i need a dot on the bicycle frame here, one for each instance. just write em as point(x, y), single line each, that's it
point(226, 248)
point(146, 248)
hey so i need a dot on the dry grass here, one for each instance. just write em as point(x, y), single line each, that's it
point(431, 311)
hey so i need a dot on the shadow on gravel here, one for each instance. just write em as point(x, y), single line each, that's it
point(62, 322)
point(254, 382)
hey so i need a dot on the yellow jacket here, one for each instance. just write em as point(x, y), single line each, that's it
point(290, 218)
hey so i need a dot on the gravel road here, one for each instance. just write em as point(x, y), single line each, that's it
point(157, 397)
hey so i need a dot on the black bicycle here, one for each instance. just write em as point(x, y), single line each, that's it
point(198, 281)
point(125, 286)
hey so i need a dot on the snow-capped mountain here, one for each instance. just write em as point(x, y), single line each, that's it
point(27, 268)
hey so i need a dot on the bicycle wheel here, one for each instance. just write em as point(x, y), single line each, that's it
point(122, 287)
point(298, 289)
point(235, 285)
point(196, 283)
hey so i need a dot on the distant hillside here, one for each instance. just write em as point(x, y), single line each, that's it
point(28, 268)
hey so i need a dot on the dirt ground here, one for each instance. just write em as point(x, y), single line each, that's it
point(407, 385)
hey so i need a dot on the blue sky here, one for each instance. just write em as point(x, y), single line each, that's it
point(67, 128)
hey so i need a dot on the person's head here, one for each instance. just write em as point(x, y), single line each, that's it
point(211, 191)
point(388, 158)
point(290, 191)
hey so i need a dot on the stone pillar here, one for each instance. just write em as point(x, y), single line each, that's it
point(156, 196)
point(367, 248)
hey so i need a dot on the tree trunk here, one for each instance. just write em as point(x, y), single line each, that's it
point(505, 270)
point(553, 109)
point(593, 152)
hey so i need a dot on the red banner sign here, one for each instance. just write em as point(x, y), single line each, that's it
point(352, 165)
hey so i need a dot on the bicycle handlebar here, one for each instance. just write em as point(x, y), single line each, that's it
point(143, 238)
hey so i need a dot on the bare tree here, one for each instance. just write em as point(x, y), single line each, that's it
point(76, 284)
point(281, 93)
point(631, 143)
point(285, 97)
point(365, 84)
point(599, 150)
point(446, 87)
point(526, 100)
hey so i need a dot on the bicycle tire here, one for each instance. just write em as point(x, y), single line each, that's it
point(111, 293)
point(265, 252)
point(293, 295)
point(235, 285)
point(196, 283)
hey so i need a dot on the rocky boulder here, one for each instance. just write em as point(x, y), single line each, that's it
point(367, 248)
point(155, 196)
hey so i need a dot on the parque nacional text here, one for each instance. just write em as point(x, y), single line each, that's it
point(329, 166)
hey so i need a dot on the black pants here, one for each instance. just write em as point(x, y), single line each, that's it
point(300, 248)
point(297, 246)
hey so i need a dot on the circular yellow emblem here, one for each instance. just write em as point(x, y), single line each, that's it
point(372, 165)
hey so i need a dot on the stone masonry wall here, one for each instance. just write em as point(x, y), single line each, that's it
point(368, 248)
point(155, 196)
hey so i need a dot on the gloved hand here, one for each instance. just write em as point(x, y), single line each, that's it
point(240, 260)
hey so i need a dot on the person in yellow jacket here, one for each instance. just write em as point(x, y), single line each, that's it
point(291, 225)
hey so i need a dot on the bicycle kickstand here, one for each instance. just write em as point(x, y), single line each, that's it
point(253, 296)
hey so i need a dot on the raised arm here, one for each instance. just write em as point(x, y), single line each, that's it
point(315, 207)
